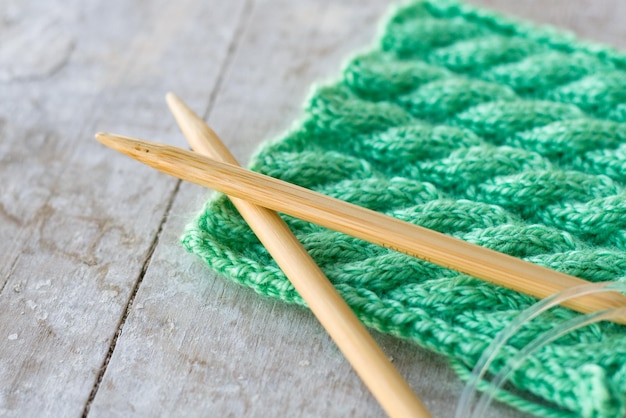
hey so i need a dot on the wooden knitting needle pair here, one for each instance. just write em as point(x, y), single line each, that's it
point(391, 391)
point(368, 360)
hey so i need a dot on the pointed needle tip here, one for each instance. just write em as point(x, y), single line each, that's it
point(125, 145)
point(171, 99)
point(103, 138)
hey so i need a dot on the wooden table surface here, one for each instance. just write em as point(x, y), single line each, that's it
point(102, 313)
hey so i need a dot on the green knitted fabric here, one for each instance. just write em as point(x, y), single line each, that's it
point(491, 131)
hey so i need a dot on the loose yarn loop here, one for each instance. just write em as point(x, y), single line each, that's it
point(489, 130)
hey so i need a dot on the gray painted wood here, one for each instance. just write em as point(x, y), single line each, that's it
point(77, 223)
point(101, 311)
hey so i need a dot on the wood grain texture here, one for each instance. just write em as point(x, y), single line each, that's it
point(77, 225)
point(78, 279)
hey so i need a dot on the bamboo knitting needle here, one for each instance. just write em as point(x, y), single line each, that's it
point(359, 222)
point(368, 360)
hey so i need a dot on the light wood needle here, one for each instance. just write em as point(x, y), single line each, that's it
point(302, 203)
point(387, 385)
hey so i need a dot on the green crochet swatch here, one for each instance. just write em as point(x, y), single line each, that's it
point(486, 129)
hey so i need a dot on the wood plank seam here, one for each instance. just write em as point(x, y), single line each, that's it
point(129, 305)
point(71, 255)
point(246, 13)
point(232, 48)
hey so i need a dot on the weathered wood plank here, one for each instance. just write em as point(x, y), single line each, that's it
point(77, 225)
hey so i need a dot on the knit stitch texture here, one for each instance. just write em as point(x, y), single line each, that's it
point(487, 129)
